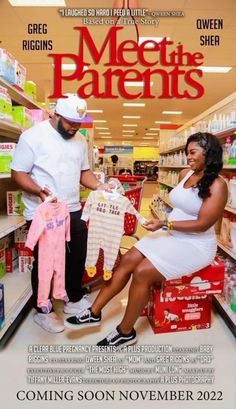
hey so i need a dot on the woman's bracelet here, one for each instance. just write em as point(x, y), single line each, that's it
point(167, 225)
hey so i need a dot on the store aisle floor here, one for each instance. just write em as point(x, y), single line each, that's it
point(15, 355)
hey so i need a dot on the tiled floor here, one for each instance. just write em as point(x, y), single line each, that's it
point(13, 364)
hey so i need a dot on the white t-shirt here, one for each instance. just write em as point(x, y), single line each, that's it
point(51, 160)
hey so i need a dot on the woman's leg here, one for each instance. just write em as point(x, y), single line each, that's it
point(144, 276)
point(120, 278)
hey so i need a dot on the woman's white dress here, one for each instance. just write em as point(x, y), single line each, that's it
point(174, 253)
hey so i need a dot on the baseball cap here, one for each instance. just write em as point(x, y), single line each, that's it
point(73, 108)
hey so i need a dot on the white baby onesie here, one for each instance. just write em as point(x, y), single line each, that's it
point(105, 212)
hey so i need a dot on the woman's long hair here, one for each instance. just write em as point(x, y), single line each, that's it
point(213, 160)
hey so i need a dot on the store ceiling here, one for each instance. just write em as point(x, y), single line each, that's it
point(14, 29)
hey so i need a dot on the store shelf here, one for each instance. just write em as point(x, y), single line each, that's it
point(174, 149)
point(166, 201)
point(227, 314)
point(154, 212)
point(9, 129)
point(232, 167)
point(230, 209)
point(9, 224)
point(18, 96)
point(5, 175)
point(166, 183)
point(174, 166)
point(17, 295)
point(225, 132)
point(220, 134)
point(227, 250)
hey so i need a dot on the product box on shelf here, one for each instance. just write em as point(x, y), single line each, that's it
point(209, 280)
point(22, 116)
point(20, 236)
point(2, 263)
point(6, 153)
point(14, 203)
point(37, 115)
point(30, 89)
point(19, 75)
point(168, 314)
point(25, 260)
point(11, 257)
point(5, 104)
point(7, 65)
point(2, 314)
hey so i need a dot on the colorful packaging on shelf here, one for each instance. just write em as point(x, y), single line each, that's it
point(20, 236)
point(14, 203)
point(7, 65)
point(11, 257)
point(19, 76)
point(30, 89)
point(6, 153)
point(37, 115)
point(22, 116)
point(2, 263)
point(209, 280)
point(225, 229)
point(168, 314)
point(5, 104)
point(25, 260)
point(233, 232)
point(2, 314)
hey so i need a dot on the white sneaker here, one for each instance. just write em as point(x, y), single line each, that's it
point(49, 322)
point(77, 307)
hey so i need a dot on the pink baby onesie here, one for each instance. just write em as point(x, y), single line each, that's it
point(50, 228)
point(106, 226)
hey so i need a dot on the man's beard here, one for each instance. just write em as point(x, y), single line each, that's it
point(63, 132)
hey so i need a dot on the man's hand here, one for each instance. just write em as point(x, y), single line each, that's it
point(45, 194)
point(105, 186)
point(153, 224)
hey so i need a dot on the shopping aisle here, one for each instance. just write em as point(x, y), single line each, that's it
point(15, 354)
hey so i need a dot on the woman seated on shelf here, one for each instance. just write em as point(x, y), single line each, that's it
point(179, 245)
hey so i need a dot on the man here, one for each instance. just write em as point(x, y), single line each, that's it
point(51, 159)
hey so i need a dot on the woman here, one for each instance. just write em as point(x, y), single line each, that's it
point(188, 245)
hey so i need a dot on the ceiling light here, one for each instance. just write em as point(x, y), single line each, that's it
point(104, 133)
point(95, 111)
point(41, 3)
point(128, 130)
point(172, 112)
point(99, 120)
point(150, 45)
point(154, 129)
point(151, 133)
point(134, 104)
point(105, 137)
point(147, 137)
point(162, 122)
point(101, 127)
point(136, 83)
point(131, 116)
point(215, 69)
point(129, 125)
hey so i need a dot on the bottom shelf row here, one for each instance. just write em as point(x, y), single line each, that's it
point(16, 292)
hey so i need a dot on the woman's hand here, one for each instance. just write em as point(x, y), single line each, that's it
point(153, 224)
point(105, 186)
